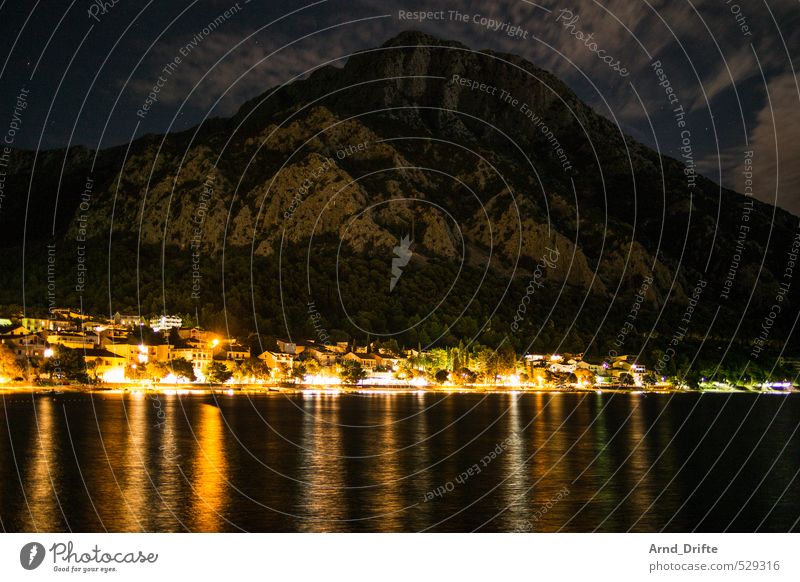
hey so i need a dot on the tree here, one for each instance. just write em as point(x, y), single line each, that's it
point(583, 375)
point(218, 373)
point(284, 370)
point(298, 371)
point(442, 376)
point(66, 364)
point(488, 363)
point(182, 368)
point(91, 369)
point(157, 371)
point(692, 379)
point(539, 376)
point(465, 376)
point(351, 372)
point(253, 369)
point(9, 367)
point(311, 366)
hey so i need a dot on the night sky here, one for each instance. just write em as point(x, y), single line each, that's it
point(85, 68)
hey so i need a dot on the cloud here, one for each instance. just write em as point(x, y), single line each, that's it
point(776, 143)
point(266, 59)
point(715, 48)
point(247, 71)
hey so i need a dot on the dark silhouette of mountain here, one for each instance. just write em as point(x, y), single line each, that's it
point(487, 162)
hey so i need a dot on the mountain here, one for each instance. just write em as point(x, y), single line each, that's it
point(486, 162)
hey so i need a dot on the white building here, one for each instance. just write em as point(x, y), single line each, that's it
point(165, 322)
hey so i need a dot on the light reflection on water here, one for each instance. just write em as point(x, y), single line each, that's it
point(328, 462)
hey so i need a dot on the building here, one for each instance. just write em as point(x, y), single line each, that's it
point(277, 359)
point(75, 341)
point(166, 322)
point(25, 347)
point(199, 357)
point(104, 365)
point(288, 347)
point(67, 314)
point(593, 368)
point(623, 365)
point(321, 354)
point(127, 320)
point(388, 361)
point(112, 335)
point(561, 367)
point(197, 334)
point(136, 353)
point(340, 347)
point(14, 330)
point(236, 353)
point(35, 324)
point(367, 361)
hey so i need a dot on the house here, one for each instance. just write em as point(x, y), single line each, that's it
point(629, 364)
point(340, 347)
point(199, 357)
point(14, 330)
point(112, 335)
point(388, 361)
point(93, 325)
point(593, 368)
point(561, 367)
point(198, 334)
point(277, 359)
point(46, 324)
point(166, 322)
point(107, 366)
point(136, 353)
point(288, 347)
point(67, 314)
point(236, 353)
point(74, 340)
point(25, 347)
point(321, 354)
point(367, 361)
point(536, 360)
point(127, 320)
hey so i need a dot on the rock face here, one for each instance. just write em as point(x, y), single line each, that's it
point(479, 157)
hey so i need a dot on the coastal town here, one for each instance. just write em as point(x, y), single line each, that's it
point(68, 347)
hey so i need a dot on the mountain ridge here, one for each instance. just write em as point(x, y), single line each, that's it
point(287, 177)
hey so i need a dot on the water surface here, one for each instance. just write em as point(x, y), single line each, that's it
point(410, 462)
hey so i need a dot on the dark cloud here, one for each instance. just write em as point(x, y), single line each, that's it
point(707, 53)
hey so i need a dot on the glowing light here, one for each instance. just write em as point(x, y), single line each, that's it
point(114, 376)
point(48, 353)
point(214, 343)
point(321, 380)
point(173, 379)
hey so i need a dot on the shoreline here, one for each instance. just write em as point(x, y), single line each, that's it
point(289, 389)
